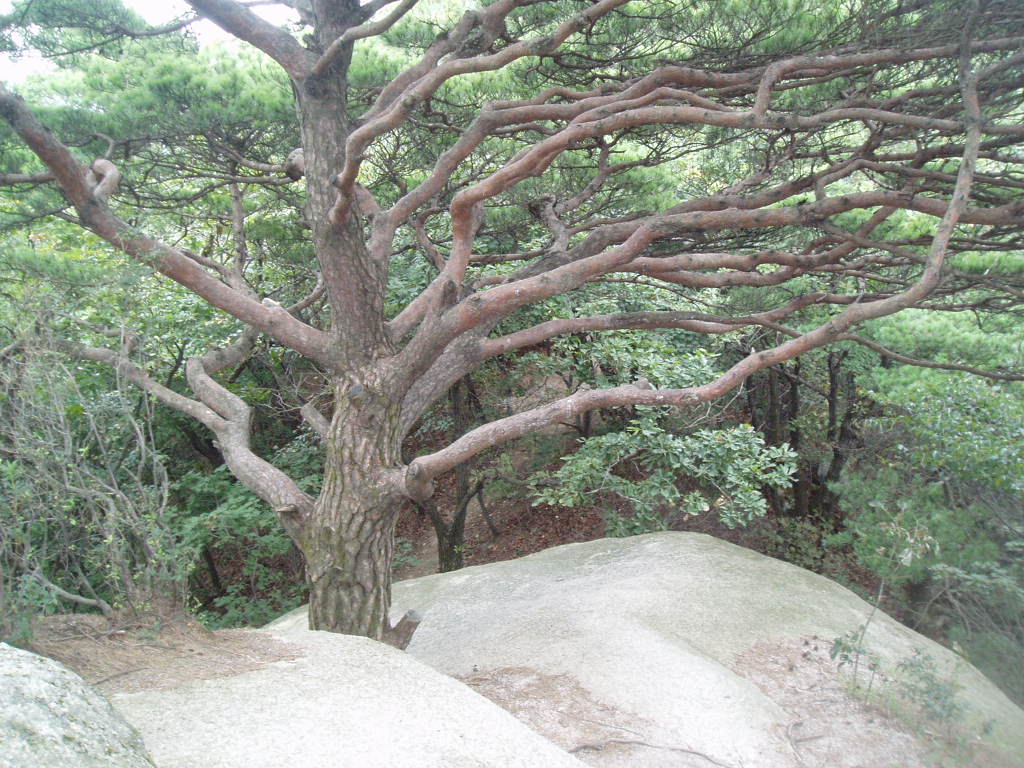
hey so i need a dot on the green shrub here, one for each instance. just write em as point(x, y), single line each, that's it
point(645, 464)
point(931, 693)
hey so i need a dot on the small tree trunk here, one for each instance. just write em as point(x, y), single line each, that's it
point(774, 426)
point(802, 487)
point(451, 536)
point(844, 443)
point(479, 493)
point(211, 568)
point(750, 387)
point(451, 545)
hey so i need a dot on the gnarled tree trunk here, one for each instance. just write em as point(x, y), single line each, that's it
point(349, 539)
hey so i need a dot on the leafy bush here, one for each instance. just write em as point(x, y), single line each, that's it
point(645, 464)
point(797, 541)
point(925, 688)
point(404, 554)
point(220, 516)
point(83, 499)
point(239, 608)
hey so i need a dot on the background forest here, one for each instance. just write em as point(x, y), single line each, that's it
point(893, 463)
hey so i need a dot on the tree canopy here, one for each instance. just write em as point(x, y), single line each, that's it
point(389, 195)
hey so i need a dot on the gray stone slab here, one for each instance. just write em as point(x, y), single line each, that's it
point(347, 702)
point(684, 642)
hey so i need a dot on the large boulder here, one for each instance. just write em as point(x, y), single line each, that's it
point(678, 649)
point(343, 702)
point(50, 718)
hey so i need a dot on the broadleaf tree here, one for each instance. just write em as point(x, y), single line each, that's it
point(529, 150)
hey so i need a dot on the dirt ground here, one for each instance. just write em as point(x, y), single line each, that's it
point(143, 654)
point(522, 530)
point(140, 653)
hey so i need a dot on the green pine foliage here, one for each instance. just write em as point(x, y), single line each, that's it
point(937, 507)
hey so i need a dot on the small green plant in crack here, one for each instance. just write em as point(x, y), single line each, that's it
point(901, 544)
point(849, 650)
point(917, 683)
point(929, 702)
point(918, 694)
point(923, 686)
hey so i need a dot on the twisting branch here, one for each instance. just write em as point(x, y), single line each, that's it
point(89, 602)
point(692, 321)
point(254, 165)
point(312, 298)
point(224, 413)
point(918, 363)
point(118, 32)
point(631, 110)
point(423, 80)
point(368, 29)
point(419, 227)
point(422, 470)
point(132, 373)
point(12, 179)
point(87, 190)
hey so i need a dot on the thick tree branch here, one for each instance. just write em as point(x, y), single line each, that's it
point(221, 411)
point(130, 372)
point(87, 191)
point(277, 43)
point(316, 420)
point(262, 478)
point(500, 301)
